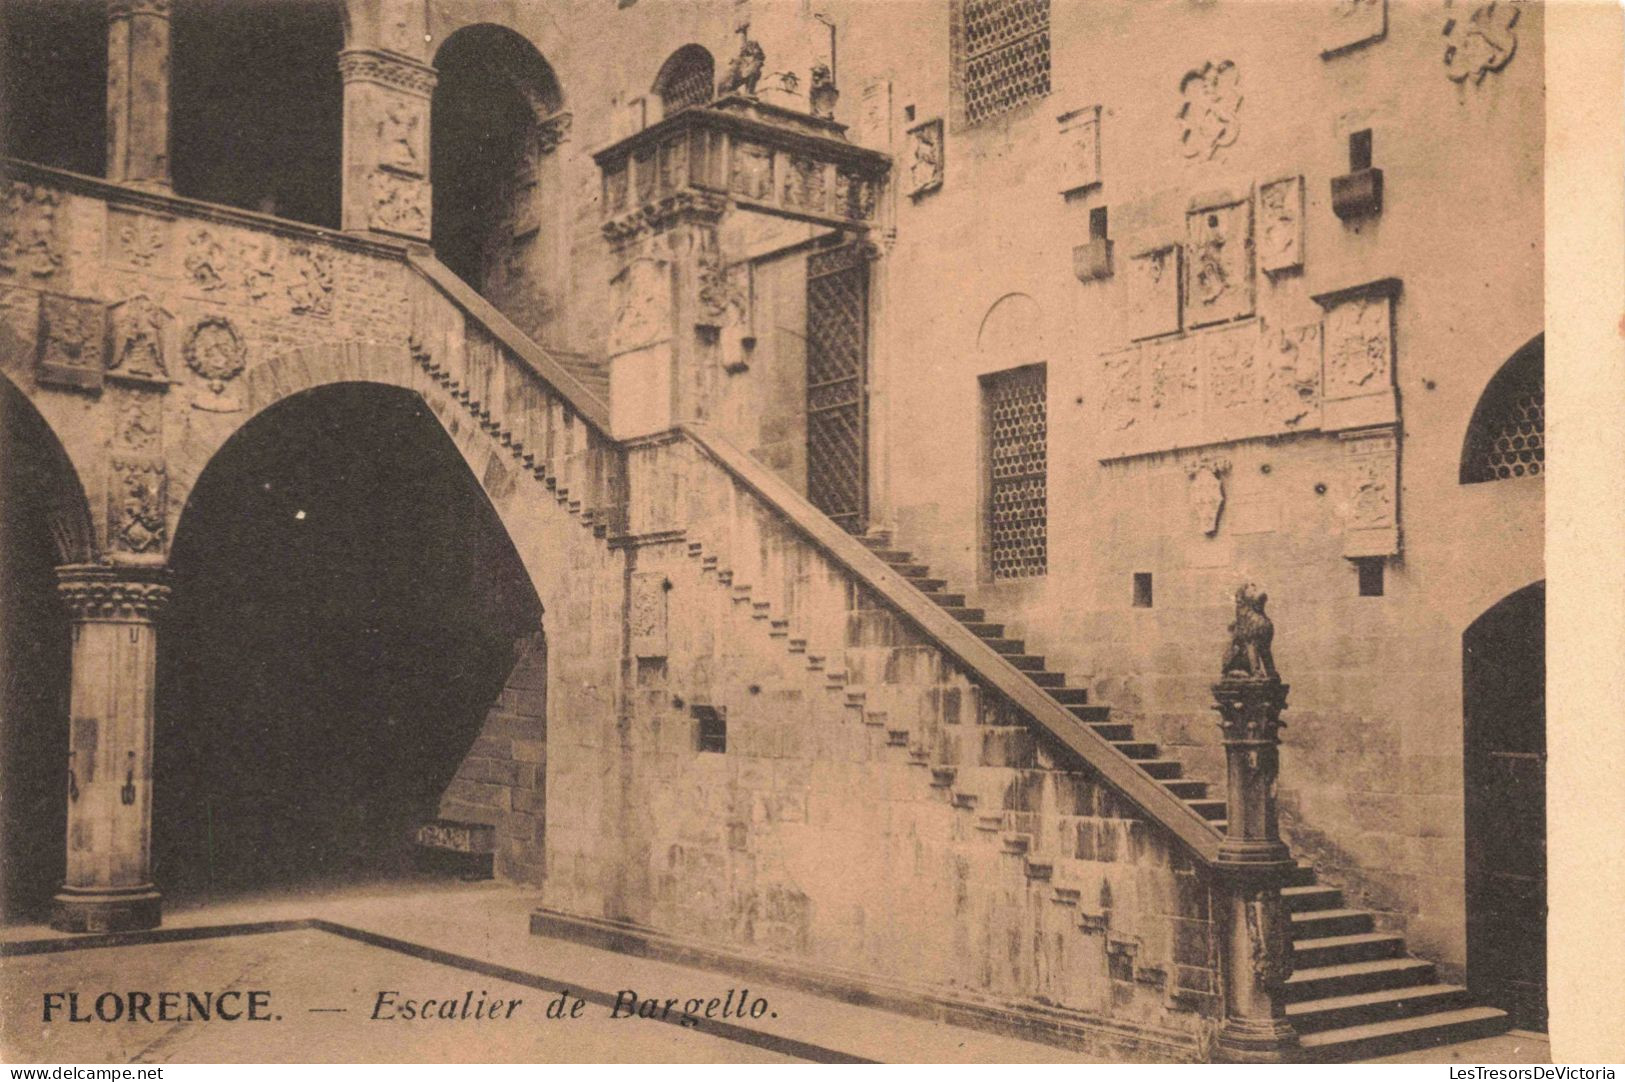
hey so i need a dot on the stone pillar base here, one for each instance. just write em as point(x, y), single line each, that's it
point(114, 909)
point(1258, 1041)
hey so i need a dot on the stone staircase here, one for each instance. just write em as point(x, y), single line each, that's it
point(1355, 993)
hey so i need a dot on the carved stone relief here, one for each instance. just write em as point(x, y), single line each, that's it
point(1205, 494)
point(1121, 390)
point(260, 262)
point(1352, 23)
point(647, 615)
point(854, 195)
point(216, 352)
point(1480, 38)
point(29, 231)
point(71, 341)
point(1080, 149)
point(1153, 284)
point(138, 341)
point(642, 293)
point(403, 127)
point(1208, 114)
point(1280, 227)
point(925, 158)
point(135, 239)
point(205, 260)
point(1370, 503)
point(804, 184)
point(398, 204)
point(750, 174)
point(1359, 347)
point(138, 420)
point(1218, 263)
point(312, 292)
point(136, 505)
point(1292, 366)
point(1173, 387)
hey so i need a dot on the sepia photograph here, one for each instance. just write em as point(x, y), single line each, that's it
point(746, 531)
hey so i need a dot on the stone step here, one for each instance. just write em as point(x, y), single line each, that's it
point(1187, 789)
point(897, 738)
point(1337, 1012)
point(929, 586)
point(1211, 810)
point(1030, 663)
point(1301, 876)
point(986, 631)
point(962, 614)
point(1309, 898)
point(894, 556)
point(1341, 949)
point(1321, 923)
point(1136, 749)
point(951, 602)
point(1071, 696)
point(1093, 714)
point(908, 569)
point(1048, 679)
point(1116, 731)
point(1005, 646)
point(1162, 769)
point(1405, 1034)
point(1320, 982)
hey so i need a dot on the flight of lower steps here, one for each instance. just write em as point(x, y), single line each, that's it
point(1354, 992)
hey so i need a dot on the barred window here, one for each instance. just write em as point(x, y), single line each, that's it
point(685, 79)
point(1001, 55)
point(1507, 435)
point(1017, 506)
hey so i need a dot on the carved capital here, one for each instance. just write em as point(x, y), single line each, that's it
point(387, 69)
point(688, 206)
point(99, 594)
point(1249, 709)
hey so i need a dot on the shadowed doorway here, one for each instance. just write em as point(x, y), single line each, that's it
point(346, 606)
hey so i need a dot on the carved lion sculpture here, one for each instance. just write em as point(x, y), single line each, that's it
point(745, 69)
point(1250, 636)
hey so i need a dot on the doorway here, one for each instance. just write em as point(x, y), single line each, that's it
point(1504, 704)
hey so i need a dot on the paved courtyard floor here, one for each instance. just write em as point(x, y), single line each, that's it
point(340, 990)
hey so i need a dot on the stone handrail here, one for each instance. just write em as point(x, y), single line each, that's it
point(988, 666)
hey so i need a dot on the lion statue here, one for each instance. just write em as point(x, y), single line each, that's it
point(1250, 636)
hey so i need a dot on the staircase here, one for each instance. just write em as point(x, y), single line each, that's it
point(1354, 993)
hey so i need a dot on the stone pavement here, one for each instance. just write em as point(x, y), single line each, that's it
point(442, 942)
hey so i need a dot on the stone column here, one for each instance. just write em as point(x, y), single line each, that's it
point(1252, 867)
point(138, 92)
point(386, 143)
point(109, 882)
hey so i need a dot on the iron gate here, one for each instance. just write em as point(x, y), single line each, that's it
point(837, 385)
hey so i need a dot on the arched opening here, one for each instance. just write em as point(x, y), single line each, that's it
point(1507, 436)
point(488, 165)
point(346, 608)
point(44, 522)
point(53, 83)
point(688, 77)
point(256, 105)
point(1504, 705)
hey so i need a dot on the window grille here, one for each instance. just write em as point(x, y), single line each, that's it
point(1507, 437)
point(685, 79)
point(1005, 59)
point(1017, 497)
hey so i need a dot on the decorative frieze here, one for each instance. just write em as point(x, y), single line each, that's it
point(1218, 262)
point(1351, 24)
point(137, 239)
point(1080, 149)
point(205, 261)
point(1209, 112)
point(926, 158)
point(137, 505)
point(30, 241)
point(139, 333)
point(311, 293)
point(72, 342)
point(1280, 226)
point(750, 170)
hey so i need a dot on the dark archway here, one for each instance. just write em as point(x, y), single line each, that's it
point(346, 607)
point(1504, 706)
point(53, 83)
point(494, 90)
point(688, 77)
point(44, 523)
point(1506, 437)
point(256, 105)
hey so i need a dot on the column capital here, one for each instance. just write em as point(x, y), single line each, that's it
point(110, 594)
point(123, 9)
point(387, 69)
